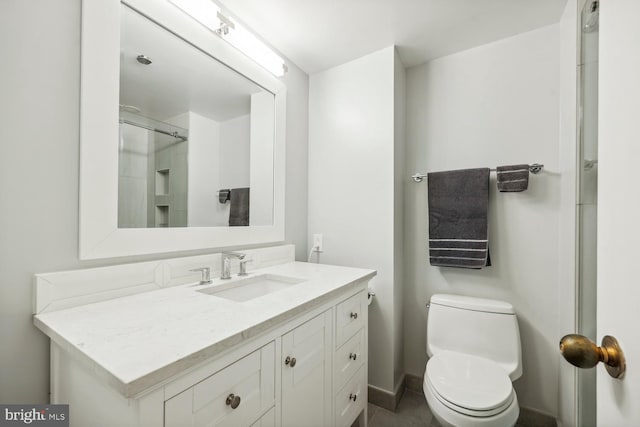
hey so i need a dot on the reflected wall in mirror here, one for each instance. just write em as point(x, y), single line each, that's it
point(196, 138)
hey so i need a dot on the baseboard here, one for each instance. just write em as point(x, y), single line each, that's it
point(385, 399)
point(532, 418)
point(413, 382)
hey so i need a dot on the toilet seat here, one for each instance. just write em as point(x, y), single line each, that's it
point(468, 384)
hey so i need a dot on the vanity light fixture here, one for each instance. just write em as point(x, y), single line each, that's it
point(207, 13)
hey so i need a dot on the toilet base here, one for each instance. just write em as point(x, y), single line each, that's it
point(447, 417)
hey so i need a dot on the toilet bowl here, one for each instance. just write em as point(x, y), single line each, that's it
point(474, 355)
point(468, 391)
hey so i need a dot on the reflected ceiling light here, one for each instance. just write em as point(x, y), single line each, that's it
point(208, 14)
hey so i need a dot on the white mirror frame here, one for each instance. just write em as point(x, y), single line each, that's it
point(100, 236)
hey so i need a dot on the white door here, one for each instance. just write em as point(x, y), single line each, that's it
point(619, 207)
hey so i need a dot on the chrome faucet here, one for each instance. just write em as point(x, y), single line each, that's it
point(205, 279)
point(226, 264)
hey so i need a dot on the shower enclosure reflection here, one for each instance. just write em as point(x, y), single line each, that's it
point(189, 128)
point(152, 173)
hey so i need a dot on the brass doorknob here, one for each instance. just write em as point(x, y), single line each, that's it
point(580, 351)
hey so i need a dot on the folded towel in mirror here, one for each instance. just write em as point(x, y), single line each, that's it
point(239, 209)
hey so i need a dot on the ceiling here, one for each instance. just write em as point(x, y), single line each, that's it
point(319, 34)
point(180, 78)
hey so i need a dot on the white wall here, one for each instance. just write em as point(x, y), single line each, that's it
point(39, 172)
point(351, 186)
point(204, 176)
point(497, 104)
point(399, 129)
point(262, 134)
point(235, 146)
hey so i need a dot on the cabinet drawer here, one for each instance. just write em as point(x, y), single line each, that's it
point(251, 381)
point(350, 317)
point(348, 359)
point(351, 400)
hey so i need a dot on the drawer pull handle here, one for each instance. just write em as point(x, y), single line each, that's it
point(354, 315)
point(233, 401)
point(353, 396)
point(291, 361)
point(353, 356)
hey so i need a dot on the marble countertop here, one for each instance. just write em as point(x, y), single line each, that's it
point(136, 342)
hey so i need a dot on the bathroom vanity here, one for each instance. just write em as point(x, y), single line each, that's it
point(286, 345)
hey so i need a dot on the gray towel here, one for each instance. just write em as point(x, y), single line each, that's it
point(458, 218)
point(239, 210)
point(512, 178)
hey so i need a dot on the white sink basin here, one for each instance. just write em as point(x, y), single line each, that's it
point(252, 287)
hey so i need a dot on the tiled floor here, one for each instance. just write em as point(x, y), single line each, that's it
point(412, 411)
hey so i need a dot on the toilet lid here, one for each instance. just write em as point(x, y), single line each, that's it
point(469, 382)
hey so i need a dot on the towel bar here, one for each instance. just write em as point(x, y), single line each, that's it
point(534, 168)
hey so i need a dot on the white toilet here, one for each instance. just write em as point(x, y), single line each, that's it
point(474, 355)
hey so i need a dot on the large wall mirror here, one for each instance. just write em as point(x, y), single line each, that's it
point(182, 136)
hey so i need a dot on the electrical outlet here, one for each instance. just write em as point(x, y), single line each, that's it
point(317, 242)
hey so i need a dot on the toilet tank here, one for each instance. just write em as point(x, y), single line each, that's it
point(476, 326)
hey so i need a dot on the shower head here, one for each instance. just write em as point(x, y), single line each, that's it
point(591, 22)
point(144, 59)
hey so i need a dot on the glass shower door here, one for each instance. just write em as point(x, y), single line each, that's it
point(587, 209)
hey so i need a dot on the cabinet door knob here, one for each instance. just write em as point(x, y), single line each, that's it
point(291, 361)
point(353, 356)
point(233, 401)
point(353, 396)
point(354, 315)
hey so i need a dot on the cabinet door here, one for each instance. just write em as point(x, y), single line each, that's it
point(306, 374)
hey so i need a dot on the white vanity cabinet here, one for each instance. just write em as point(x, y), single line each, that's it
point(177, 357)
point(308, 371)
point(241, 393)
point(320, 369)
